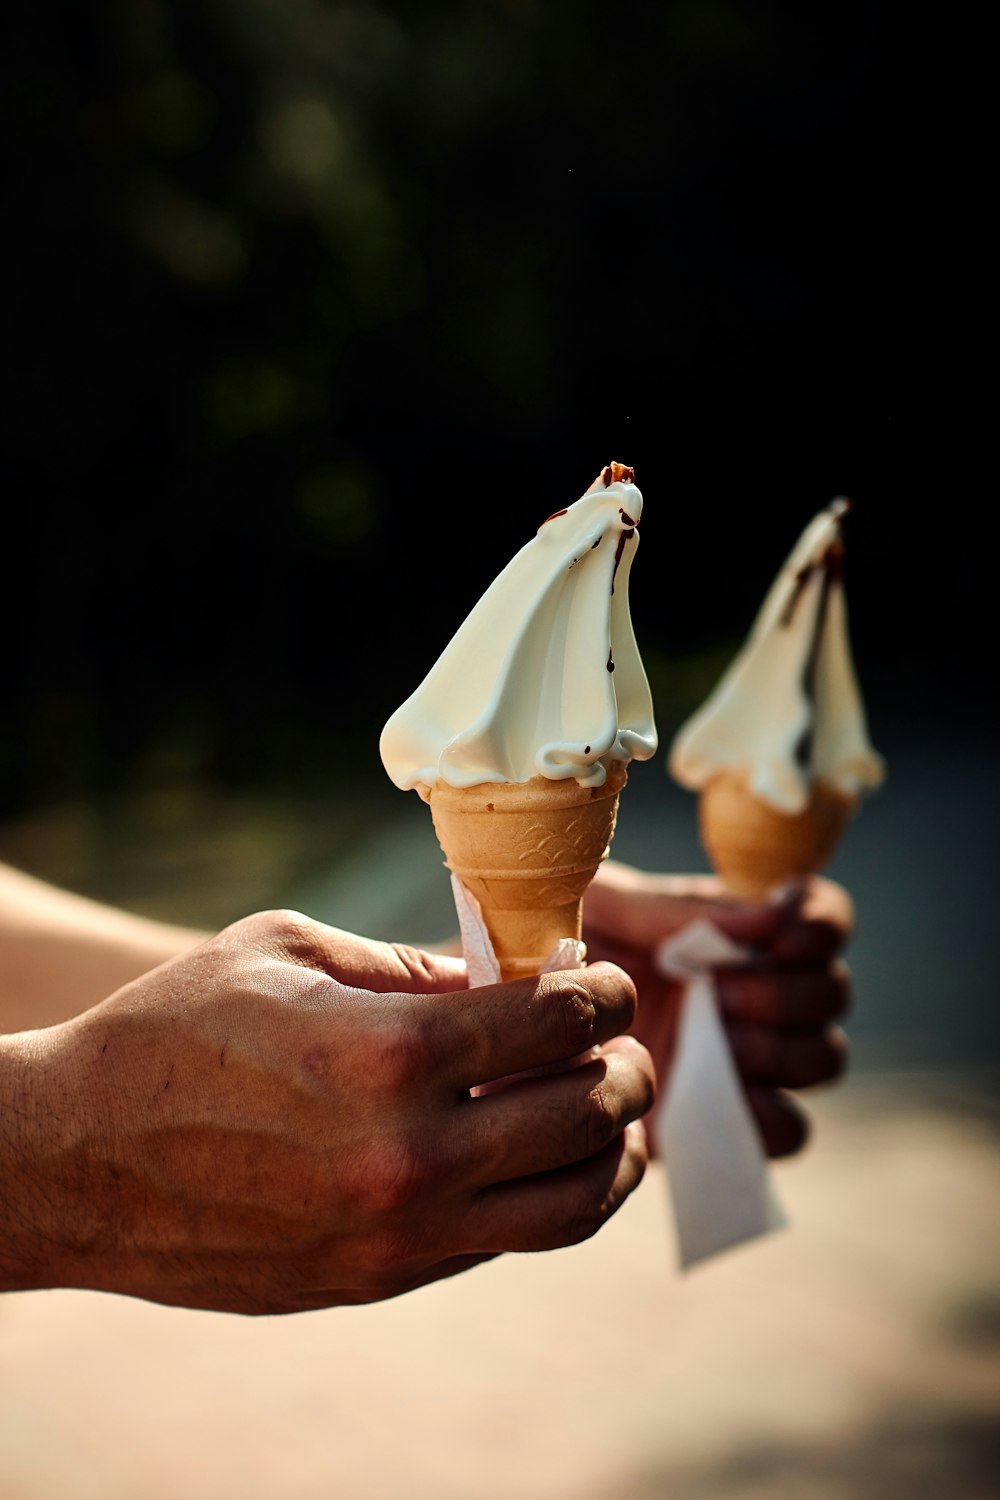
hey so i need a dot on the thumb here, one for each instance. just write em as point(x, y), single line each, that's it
point(367, 963)
point(643, 909)
point(361, 962)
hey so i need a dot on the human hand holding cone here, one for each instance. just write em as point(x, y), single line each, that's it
point(520, 735)
point(779, 755)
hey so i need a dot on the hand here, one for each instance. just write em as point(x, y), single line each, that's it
point(281, 1119)
point(779, 1011)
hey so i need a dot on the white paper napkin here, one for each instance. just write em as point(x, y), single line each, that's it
point(718, 1173)
point(483, 968)
point(480, 959)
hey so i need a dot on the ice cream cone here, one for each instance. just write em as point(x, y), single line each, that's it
point(754, 846)
point(527, 851)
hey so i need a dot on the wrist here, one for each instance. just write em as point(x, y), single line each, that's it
point(48, 1207)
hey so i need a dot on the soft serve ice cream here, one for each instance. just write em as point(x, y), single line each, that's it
point(544, 677)
point(520, 734)
point(780, 750)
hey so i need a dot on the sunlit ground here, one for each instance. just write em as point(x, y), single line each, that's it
point(853, 1356)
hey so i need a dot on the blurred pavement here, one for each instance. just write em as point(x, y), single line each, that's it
point(853, 1356)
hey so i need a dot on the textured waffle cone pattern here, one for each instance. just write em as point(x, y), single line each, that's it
point(754, 847)
point(527, 851)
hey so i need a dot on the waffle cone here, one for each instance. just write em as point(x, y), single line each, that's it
point(527, 851)
point(754, 847)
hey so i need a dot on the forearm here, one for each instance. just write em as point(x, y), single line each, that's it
point(61, 953)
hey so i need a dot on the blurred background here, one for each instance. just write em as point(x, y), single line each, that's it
point(315, 311)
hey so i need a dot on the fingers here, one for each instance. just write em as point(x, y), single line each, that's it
point(818, 929)
point(489, 1033)
point(787, 1058)
point(478, 1035)
point(541, 1124)
point(805, 998)
point(563, 1207)
point(782, 1122)
point(808, 924)
point(644, 909)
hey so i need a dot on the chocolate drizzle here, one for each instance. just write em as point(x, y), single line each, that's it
point(620, 549)
point(831, 564)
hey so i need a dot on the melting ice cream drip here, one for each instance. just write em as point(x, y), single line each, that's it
point(544, 676)
point(788, 709)
point(830, 567)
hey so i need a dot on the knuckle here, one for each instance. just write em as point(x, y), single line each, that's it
point(392, 1176)
point(417, 964)
point(575, 1013)
point(600, 1123)
point(397, 1055)
point(284, 928)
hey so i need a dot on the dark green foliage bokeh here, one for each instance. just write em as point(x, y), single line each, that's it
point(316, 310)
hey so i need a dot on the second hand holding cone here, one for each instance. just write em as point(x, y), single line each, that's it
point(779, 754)
point(520, 735)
